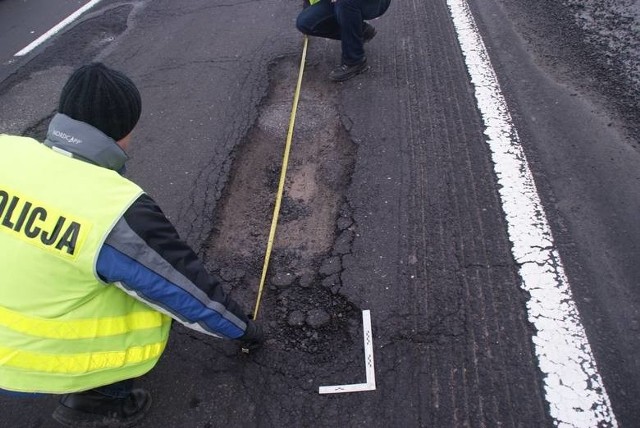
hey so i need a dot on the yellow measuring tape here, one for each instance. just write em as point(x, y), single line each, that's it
point(283, 174)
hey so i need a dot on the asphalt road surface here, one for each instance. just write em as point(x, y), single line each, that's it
point(398, 200)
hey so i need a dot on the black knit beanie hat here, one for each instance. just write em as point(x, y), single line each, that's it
point(102, 97)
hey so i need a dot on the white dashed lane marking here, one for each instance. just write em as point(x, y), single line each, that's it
point(68, 20)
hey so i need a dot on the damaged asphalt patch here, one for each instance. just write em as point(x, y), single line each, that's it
point(302, 307)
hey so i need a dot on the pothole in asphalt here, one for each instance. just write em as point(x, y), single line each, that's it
point(302, 305)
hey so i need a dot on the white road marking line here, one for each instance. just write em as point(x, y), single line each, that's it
point(370, 385)
point(573, 386)
point(69, 19)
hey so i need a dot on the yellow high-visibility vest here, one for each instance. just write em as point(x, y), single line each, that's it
point(61, 328)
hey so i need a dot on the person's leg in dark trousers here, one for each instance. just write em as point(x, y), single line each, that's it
point(319, 20)
point(344, 20)
point(351, 15)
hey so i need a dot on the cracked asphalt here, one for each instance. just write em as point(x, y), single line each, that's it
point(391, 203)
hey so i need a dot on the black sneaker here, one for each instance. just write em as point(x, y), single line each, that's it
point(92, 409)
point(345, 72)
point(368, 32)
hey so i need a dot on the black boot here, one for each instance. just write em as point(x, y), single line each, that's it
point(345, 72)
point(92, 409)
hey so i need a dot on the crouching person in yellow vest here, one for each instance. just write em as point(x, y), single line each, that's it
point(92, 272)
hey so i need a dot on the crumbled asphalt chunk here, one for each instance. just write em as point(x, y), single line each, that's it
point(330, 266)
point(317, 318)
point(345, 210)
point(283, 280)
point(307, 280)
point(331, 281)
point(296, 319)
point(343, 243)
point(230, 274)
point(343, 223)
